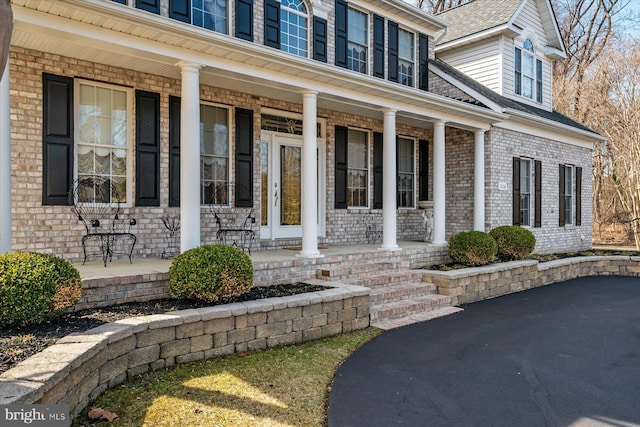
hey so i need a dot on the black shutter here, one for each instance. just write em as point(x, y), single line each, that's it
point(57, 139)
point(378, 46)
point(518, 72)
point(378, 140)
point(561, 202)
point(341, 167)
point(539, 80)
point(272, 23)
point(319, 39)
point(244, 158)
point(147, 148)
point(397, 174)
point(174, 151)
point(423, 59)
point(423, 176)
point(180, 10)
point(393, 51)
point(152, 6)
point(516, 191)
point(578, 196)
point(342, 40)
point(537, 213)
point(244, 19)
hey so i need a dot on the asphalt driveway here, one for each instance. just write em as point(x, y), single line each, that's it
point(566, 354)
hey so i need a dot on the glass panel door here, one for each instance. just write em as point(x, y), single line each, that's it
point(290, 185)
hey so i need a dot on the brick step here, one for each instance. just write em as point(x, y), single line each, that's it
point(386, 279)
point(386, 324)
point(345, 272)
point(401, 291)
point(407, 307)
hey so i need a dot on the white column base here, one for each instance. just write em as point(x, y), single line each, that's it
point(395, 248)
point(311, 254)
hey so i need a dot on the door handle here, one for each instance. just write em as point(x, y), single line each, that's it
point(275, 198)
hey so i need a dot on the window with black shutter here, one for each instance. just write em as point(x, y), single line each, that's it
point(57, 139)
point(147, 148)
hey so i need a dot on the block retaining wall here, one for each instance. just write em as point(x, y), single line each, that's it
point(476, 284)
point(79, 367)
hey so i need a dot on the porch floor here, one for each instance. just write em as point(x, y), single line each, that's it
point(398, 294)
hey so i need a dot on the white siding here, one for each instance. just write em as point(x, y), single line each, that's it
point(480, 61)
point(529, 18)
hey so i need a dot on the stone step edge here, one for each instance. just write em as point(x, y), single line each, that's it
point(410, 306)
point(386, 324)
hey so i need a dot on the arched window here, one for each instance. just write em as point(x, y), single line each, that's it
point(528, 72)
point(293, 27)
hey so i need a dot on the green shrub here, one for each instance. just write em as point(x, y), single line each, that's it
point(514, 242)
point(472, 248)
point(35, 286)
point(210, 273)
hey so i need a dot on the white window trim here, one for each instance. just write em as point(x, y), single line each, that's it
point(519, 44)
point(414, 59)
point(369, 174)
point(130, 146)
point(415, 196)
point(308, 32)
point(231, 158)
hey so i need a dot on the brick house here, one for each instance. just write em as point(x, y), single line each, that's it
point(314, 114)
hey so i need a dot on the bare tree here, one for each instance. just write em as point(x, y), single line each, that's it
point(437, 6)
point(6, 28)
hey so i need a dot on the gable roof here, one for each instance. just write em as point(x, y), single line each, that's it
point(478, 19)
point(507, 105)
point(477, 16)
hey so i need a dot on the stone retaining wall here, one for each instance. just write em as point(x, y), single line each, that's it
point(79, 367)
point(476, 284)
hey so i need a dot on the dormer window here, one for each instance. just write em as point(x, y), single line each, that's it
point(528, 72)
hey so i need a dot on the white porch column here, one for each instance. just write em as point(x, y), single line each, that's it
point(309, 176)
point(389, 202)
point(478, 181)
point(439, 188)
point(5, 163)
point(190, 157)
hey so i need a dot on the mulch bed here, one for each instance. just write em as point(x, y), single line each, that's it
point(19, 343)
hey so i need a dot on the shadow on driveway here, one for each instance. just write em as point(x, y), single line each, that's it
point(566, 354)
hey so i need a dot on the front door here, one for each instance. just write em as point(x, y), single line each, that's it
point(281, 192)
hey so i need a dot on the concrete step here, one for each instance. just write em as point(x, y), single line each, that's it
point(406, 307)
point(386, 278)
point(346, 272)
point(387, 294)
point(386, 324)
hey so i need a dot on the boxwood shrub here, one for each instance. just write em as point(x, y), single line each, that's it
point(514, 242)
point(472, 248)
point(34, 287)
point(210, 273)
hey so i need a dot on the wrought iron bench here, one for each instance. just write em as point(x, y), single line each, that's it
point(235, 228)
point(373, 224)
point(96, 202)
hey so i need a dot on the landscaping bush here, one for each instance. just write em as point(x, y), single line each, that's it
point(514, 242)
point(472, 248)
point(210, 273)
point(34, 287)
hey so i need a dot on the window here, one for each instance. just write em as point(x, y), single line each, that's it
point(210, 14)
point(102, 142)
point(525, 192)
point(405, 173)
point(568, 195)
point(406, 54)
point(528, 72)
point(358, 168)
point(214, 155)
point(357, 41)
point(293, 15)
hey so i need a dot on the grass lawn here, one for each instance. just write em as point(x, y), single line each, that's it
point(285, 386)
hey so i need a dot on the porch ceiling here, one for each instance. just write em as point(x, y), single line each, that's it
point(105, 32)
